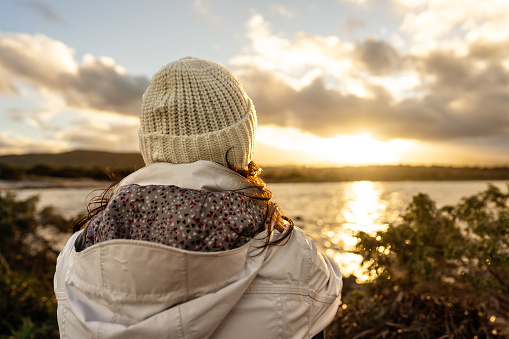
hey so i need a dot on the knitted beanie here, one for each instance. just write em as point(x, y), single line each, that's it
point(196, 109)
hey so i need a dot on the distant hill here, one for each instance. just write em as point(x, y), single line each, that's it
point(86, 159)
point(384, 173)
point(92, 164)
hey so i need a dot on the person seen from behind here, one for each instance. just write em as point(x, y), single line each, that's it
point(192, 245)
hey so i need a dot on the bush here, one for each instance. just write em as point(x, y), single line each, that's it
point(10, 172)
point(438, 273)
point(27, 266)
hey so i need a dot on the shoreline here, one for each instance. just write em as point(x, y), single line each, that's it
point(50, 182)
point(53, 182)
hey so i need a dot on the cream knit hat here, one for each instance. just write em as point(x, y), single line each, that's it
point(196, 109)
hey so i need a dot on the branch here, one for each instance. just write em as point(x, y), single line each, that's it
point(5, 264)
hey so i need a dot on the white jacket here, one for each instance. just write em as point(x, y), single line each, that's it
point(138, 289)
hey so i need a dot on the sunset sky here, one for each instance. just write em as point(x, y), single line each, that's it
point(339, 82)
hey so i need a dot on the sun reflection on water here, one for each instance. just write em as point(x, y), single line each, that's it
point(364, 210)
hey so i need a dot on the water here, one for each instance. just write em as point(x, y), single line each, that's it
point(330, 213)
point(67, 201)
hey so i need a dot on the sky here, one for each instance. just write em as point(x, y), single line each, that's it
point(334, 83)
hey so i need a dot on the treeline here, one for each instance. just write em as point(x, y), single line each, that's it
point(79, 158)
point(9, 171)
point(13, 172)
point(383, 173)
point(93, 164)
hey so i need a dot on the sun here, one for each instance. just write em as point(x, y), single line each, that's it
point(352, 150)
point(362, 149)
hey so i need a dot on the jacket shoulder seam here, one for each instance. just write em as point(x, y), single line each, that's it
point(179, 321)
point(291, 290)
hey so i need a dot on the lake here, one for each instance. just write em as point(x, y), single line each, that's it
point(330, 213)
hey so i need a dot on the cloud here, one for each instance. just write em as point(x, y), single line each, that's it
point(44, 10)
point(430, 22)
point(16, 114)
point(17, 144)
point(106, 132)
point(379, 56)
point(299, 60)
point(91, 139)
point(489, 50)
point(328, 113)
point(96, 83)
point(357, 2)
point(318, 84)
point(296, 61)
point(441, 95)
point(203, 8)
point(460, 103)
point(352, 24)
point(282, 10)
point(314, 108)
point(472, 89)
point(7, 87)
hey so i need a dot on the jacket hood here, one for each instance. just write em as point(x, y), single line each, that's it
point(138, 289)
point(133, 284)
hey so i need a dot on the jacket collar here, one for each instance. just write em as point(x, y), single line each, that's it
point(200, 175)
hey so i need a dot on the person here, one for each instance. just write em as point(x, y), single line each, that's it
point(192, 245)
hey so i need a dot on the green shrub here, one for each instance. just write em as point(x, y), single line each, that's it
point(27, 266)
point(438, 273)
point(11, 172)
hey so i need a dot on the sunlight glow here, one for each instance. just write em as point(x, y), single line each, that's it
point(363, 149)
point(359, 149)
point(364, 208)
point(363, 212)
